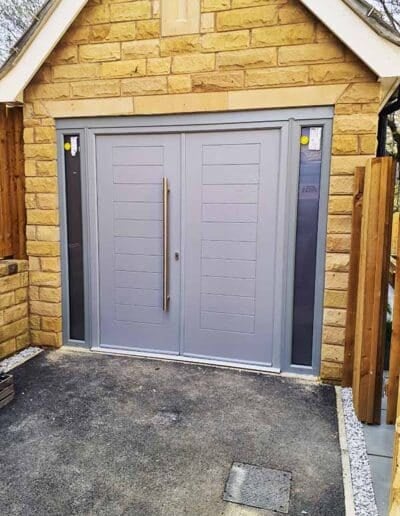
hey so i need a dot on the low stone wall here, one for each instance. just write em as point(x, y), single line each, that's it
point(14, 322)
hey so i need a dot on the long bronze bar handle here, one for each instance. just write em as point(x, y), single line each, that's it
point(165, 245)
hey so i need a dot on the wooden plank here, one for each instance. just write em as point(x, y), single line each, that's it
point(358, 191)
point(13, 213)
point(392, 386)
point(19, 237)
point(372, 290)
point(6, 247)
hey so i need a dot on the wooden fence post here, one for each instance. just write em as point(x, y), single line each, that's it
point(392, 386)
point(6, 247)
point(358, 191)
point(372, 289)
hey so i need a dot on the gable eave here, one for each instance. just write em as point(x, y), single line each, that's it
point(21, 68)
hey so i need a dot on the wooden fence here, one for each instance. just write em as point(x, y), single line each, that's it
point(12, 184)
point(368, 286)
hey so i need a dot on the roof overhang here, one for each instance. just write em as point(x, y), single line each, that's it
point(20, 70)
point(380, 54)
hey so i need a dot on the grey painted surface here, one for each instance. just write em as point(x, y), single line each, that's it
point(130, 200)
point(97, 435)
point(270, 119)
point(231, 215)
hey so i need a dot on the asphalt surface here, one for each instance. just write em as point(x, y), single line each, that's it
point(90, 434)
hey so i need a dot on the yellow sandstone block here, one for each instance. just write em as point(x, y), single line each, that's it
point(53, 324)
point(45, 134)
point(336, 280)
point(179, 84)
point(50, 295)
point(138, 10)
point(144, 86)
point(335, 299)
point(123, 69)
point(339, 224)
point(340, 204)
point(244, 59)
point(159, 66)
point(341, 185)
point(218, 81)
point(247, 18)
point(294, 34)
point(180, 45)
point(47, 217)
point(333, 353)
point(46, 201)
point(50, 264)
point(137, 49)
point(345, 144)
point(288, 76)
point(310, 53)
point(15, 313)
point(74, 72)
point(44, 338)
point(90, 89)
point(218, 42)
point(337, 262)
point(333, 335)
point(38, 248)
point(48, 233)
point(193, 63)
point(64, 54)
point(355, 124)
point(338, 243)
point(294, 13)
point(40, 151)
point(99, 52)
point(215, 5)
point(368, 143)
point(148, 29)
point(45, 279)
point(362, 93)
point(125, 31)
point(340, 72)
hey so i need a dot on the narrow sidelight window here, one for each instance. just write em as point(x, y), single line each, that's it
point(72, 156)
point(306, 245)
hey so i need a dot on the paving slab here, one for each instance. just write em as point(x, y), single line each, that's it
point(90, 434)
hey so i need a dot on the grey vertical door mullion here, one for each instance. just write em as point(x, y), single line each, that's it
point(231, 214)
point(130, 169)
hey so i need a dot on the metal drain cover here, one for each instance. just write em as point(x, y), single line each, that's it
point(259, 487)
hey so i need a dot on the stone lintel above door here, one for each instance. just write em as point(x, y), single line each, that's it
point(180, 17)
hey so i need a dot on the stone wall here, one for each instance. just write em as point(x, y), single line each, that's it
point(249, 54)
point(14, 327)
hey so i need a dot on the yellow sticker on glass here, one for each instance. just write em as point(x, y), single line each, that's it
point(67, 146)
point(304, 140)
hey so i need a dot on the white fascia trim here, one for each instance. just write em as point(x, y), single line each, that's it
point(38, 49)
point(379, 54)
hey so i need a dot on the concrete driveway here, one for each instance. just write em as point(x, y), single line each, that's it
point(91, 434)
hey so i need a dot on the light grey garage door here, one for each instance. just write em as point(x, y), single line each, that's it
point(223, 251)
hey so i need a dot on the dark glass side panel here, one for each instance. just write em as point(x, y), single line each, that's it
point(72, 156)
point(306, 246)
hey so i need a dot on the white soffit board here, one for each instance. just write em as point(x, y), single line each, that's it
point(38, 49)
point(382, 56)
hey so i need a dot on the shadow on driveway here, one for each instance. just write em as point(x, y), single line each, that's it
point(91, 434)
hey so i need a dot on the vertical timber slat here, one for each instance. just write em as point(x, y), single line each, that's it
point(6, 243)
point(392, 387)
point(372, 289)
point(358, 191)
point(12, 184)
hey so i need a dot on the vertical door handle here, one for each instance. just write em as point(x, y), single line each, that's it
point(165, 244)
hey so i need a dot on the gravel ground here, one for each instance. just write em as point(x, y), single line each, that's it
point(19, 358)
point(363, 491)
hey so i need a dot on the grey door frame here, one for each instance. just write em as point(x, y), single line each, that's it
point(293, 119)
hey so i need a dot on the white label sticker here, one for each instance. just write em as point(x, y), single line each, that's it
point(315, 138)
point(74, 145)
